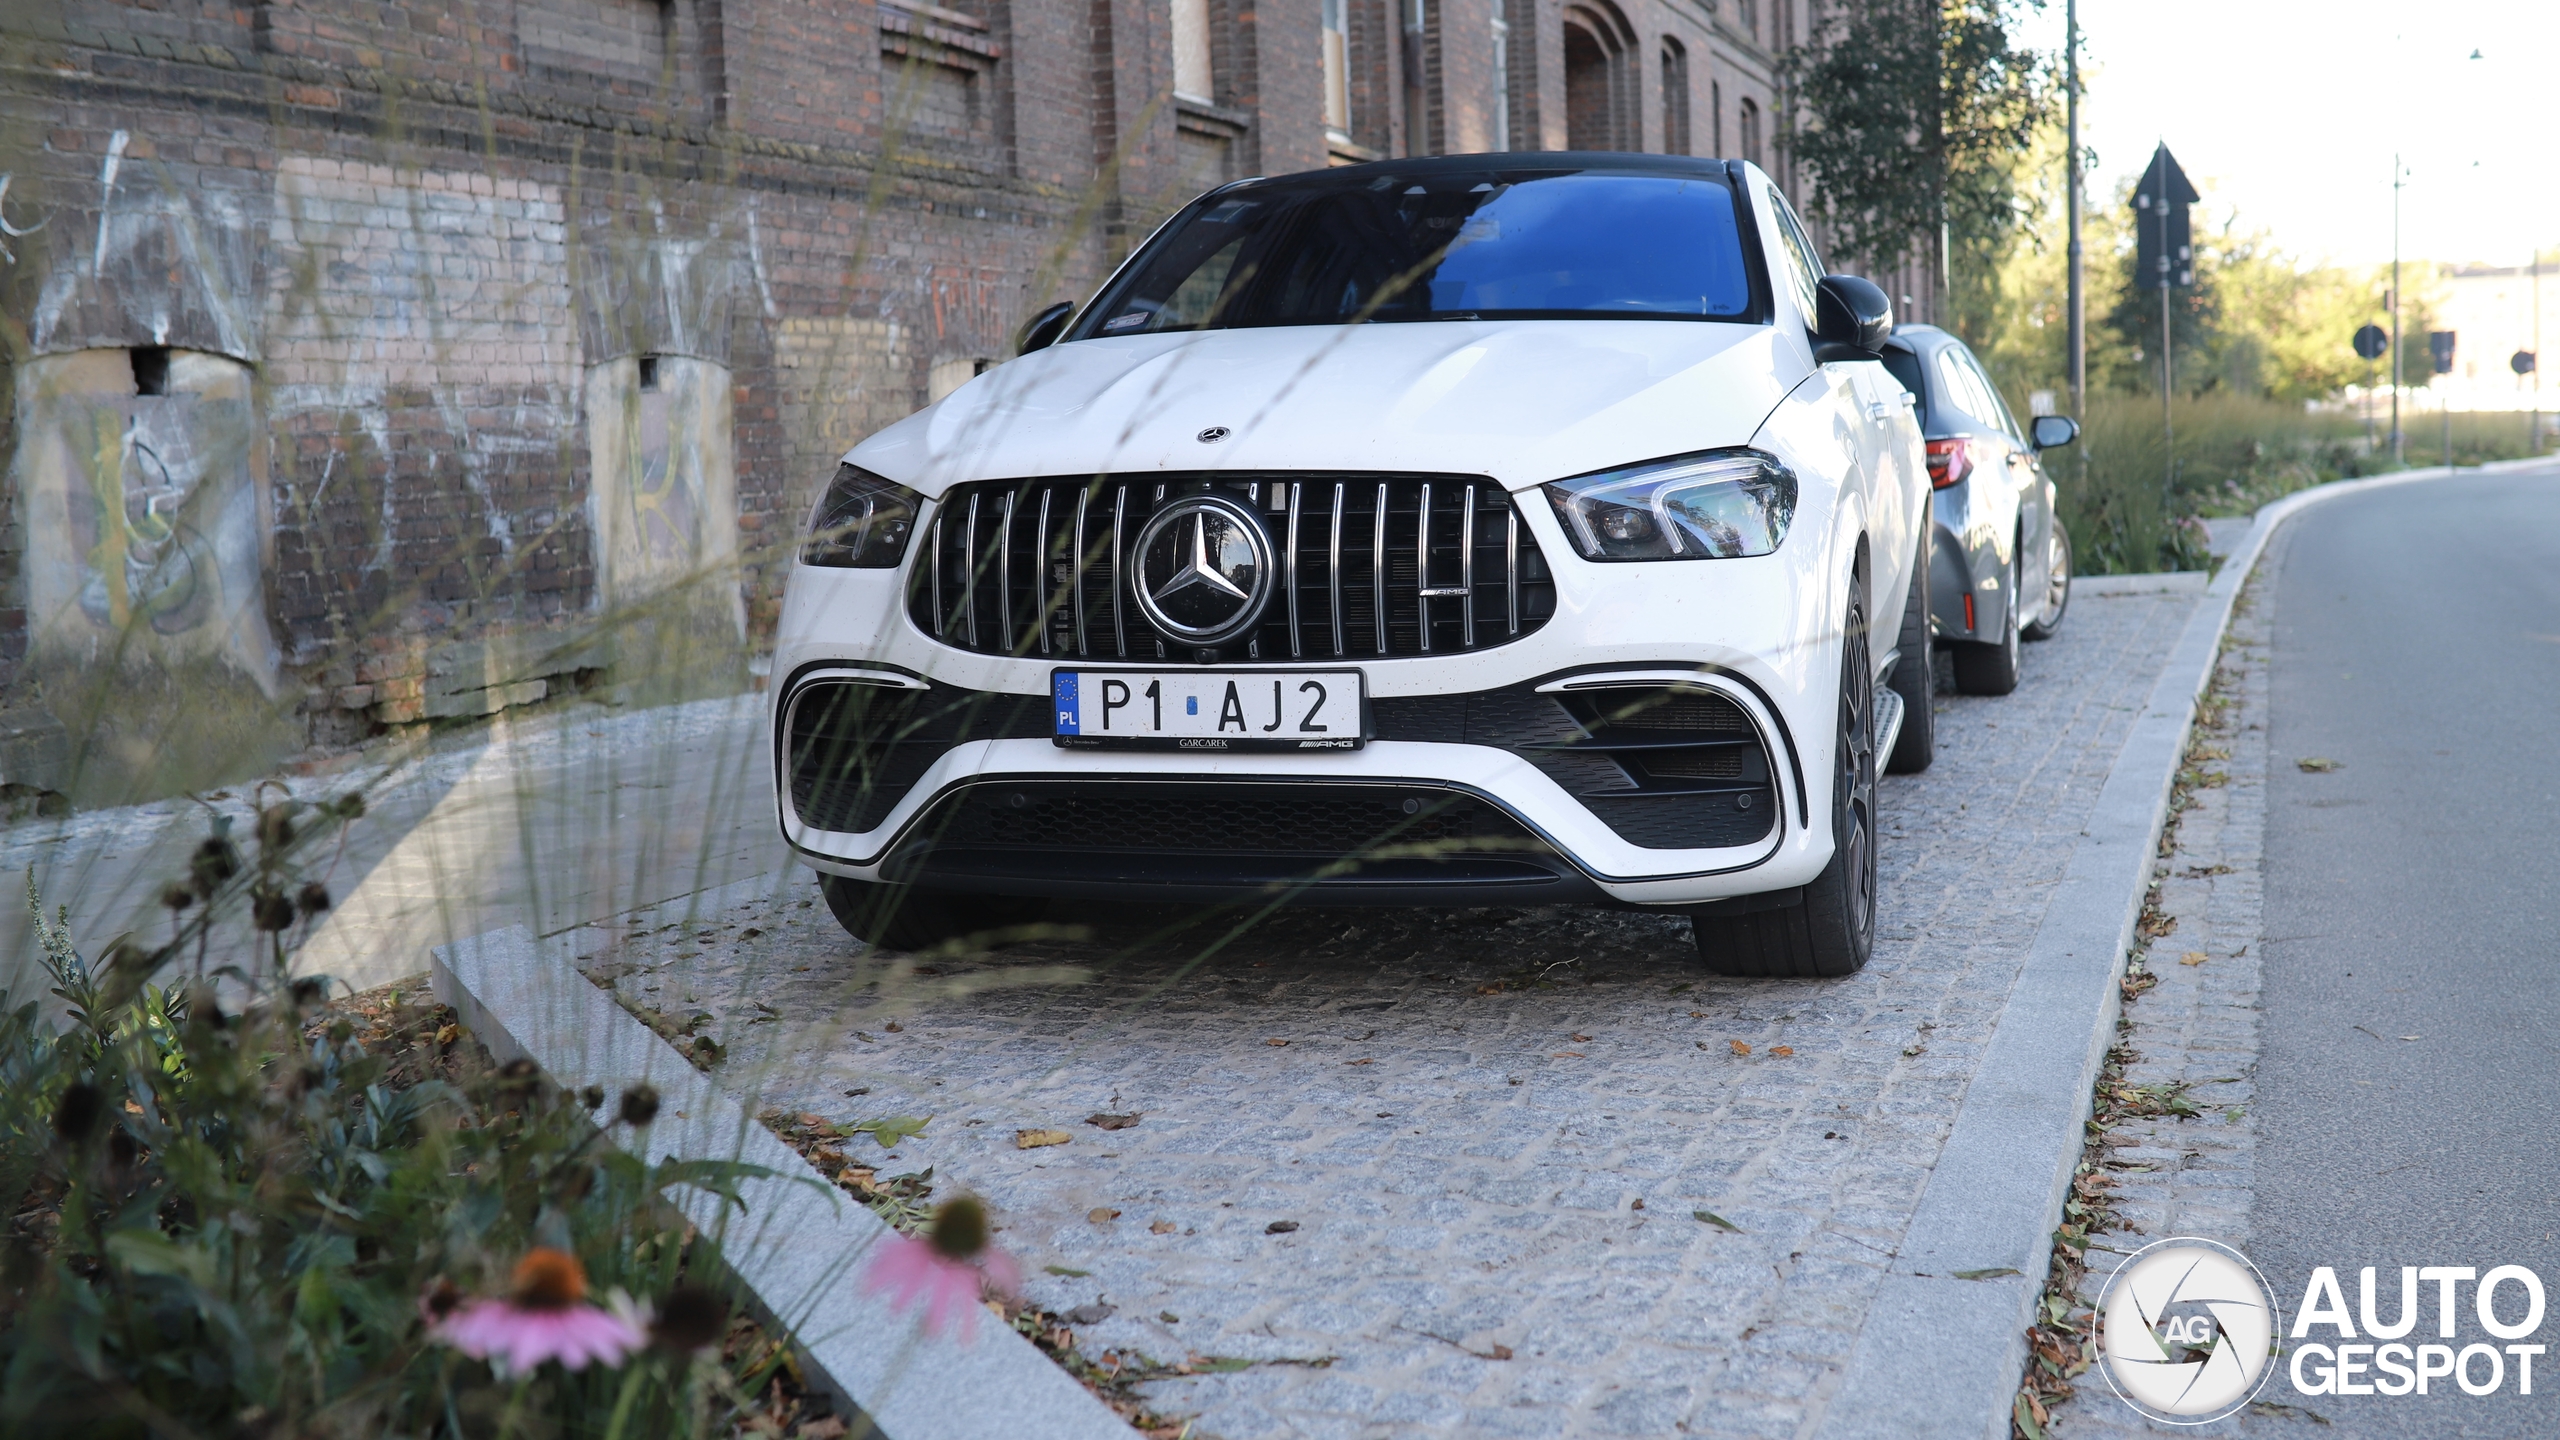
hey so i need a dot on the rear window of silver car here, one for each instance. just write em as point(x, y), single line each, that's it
point(1441, 245)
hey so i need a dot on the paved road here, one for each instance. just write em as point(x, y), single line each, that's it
point(2411, 1061)
point(1459, 1111)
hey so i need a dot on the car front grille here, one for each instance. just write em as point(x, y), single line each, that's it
point(1372, 566)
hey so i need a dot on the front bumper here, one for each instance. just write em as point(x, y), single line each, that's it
point(1456, 733)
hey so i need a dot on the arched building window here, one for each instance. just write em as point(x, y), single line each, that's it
point(1600, 105)
point(1749, 118)
point(1675, 98)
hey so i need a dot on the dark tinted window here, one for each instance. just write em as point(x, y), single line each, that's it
point(1439, 245)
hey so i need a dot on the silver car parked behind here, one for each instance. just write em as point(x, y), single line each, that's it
point(2000, 566)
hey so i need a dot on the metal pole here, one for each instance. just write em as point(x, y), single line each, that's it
point(2534, 447)
point(2399, 453)
point(2079, 317)
point(2168, 380)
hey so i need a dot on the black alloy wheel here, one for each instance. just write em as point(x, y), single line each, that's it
point(1991, 668)
point(904, 917)
point(1827, 929)
point(2057, 585)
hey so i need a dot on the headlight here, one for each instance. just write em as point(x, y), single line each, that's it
point(1725, 505)
point(861, 523)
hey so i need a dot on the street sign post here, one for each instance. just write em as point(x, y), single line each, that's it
point(2440, 350)
point(2164, 259)
point(2370, 343)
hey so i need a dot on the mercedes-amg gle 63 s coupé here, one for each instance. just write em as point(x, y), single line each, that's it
point(1483, 530)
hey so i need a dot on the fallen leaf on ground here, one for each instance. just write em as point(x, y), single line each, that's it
point(1782, 1050)
point(2413, 1037)
point(1102, 1215)
point(1359, 1062)
point(1579, 1039)
point(1638, 1205)
point(1092, 1314)
point(1161, 1227)
point(1718, 1221)
point(1168, 1317)
point(2194, 957)
point(2315, 764)
point(1992, 1272)
point(1914, 1051)
point(447, 1034)
point(1697, 1014)
point(1501, 1352)
point(1738, 1047)
point(1114, 1122)
point(1279, 1227)
point(1568, 1055)
point(1275, 1042)
point(894, 1028)
point(1034, 1139)
point(891, 1130)
point(1069, 1271)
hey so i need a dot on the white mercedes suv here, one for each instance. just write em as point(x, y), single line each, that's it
point(1482, 530)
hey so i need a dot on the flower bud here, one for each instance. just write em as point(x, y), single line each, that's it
point(639, 1106)
point(269, 910)
point(690, 1318)
point(959, 1229)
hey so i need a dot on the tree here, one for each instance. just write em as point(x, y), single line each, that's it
point(1911, 114)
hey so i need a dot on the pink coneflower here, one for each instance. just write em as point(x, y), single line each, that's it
point(545, 1316)
point(946, 1269)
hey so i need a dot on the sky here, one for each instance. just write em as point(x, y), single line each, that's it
point(2288, 112)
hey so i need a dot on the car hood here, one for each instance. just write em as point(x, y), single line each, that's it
point(1521, 401)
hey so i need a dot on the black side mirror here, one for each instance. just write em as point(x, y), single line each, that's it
point(1042, 330)
point(2052, 432)
point(1851, 319)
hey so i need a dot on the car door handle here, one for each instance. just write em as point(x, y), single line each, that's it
point(1878, 410)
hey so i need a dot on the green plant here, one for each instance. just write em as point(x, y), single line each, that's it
point(231, 1215)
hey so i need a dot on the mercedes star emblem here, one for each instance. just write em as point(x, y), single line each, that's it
point(1204, 571)
point(1213, 434)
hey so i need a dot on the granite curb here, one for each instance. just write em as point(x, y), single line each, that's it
point(798, 1244)
point(1941, 1355)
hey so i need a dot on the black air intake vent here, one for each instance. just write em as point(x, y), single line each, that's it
point(1369, 566)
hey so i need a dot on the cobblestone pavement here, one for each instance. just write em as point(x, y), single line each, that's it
point(2198, 1026)
point(1447, 1172)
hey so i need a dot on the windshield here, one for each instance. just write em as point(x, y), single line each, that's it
point(1441, 245)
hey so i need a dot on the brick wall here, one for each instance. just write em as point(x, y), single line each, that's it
point(424, 227)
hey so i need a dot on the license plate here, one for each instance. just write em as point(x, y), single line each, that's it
point(1208, 709)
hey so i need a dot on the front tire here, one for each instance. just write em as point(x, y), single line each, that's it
point(1828, 930)
point(903, 917)
point(2057, 585)
point(1992, 668)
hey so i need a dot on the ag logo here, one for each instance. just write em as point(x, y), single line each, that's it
point(2185, 1331)
point(1204, 569)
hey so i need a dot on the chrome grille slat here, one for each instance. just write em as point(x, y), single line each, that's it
point(1040, 584)
point(1378, 584)
point(1333, 568)
point(1313, 528)
point(969, 596)
point(1422, 570)
point(1467, 570)
point(1082, 498)
point(1289, 577)
point(1119, 519)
